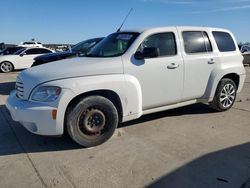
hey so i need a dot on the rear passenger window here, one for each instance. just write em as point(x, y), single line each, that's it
point(224, 41)
point(196, 42)
point(165, 42)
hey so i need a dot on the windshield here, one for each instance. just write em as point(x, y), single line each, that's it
point(85, 45)
point(19, 51)
point(11, 50)
point(113, 45)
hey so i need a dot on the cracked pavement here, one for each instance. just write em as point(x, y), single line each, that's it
point(187, 147)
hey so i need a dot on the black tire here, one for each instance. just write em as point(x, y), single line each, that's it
point(218, 103)
point(6, 66)
point(92, 121)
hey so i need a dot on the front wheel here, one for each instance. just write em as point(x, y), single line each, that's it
point(225, 95)
point(92, 121)
point(6, 67)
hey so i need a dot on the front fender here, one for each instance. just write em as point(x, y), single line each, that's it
point(125, 86)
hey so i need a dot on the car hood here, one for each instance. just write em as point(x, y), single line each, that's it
point(69, 68)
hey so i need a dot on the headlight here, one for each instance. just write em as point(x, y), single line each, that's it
point(46, 93)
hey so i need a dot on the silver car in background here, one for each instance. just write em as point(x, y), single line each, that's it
point(245, 50)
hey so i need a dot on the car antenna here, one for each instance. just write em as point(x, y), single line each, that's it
point(125, 19)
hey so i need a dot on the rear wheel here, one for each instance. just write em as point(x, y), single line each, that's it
point(92, 121)
point(225, 95)
point(6, 66)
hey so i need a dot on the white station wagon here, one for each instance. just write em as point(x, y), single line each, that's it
point(129, 74)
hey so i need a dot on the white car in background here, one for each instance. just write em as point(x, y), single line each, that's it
point(22, 59)
point(31, 44)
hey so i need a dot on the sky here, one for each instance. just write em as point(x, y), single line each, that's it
point(72, 21)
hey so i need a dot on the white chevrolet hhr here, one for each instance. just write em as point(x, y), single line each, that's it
point(127, 75)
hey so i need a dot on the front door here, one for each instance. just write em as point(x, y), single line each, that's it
point(27, 57)
point(161, 77)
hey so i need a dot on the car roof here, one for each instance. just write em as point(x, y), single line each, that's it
point(141, 30)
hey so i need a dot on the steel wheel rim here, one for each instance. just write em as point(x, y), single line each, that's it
point(92, 122)
point(227, 95)
point(6, 67)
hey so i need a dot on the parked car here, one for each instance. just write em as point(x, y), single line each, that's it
point(21, 59)
point(245, 48)
point(128, 74)
point(11, 50)
point(31, 44)
point(78, 50)
point(246, 56)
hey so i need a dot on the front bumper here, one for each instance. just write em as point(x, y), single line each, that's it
point(35, 117)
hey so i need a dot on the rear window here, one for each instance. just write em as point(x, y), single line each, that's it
point(224, 41)
point(196, 42)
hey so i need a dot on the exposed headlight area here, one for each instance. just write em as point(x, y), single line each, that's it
point(46, 93)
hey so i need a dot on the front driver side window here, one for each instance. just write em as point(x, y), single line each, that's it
point(165, 42)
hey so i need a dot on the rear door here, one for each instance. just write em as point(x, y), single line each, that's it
point(199, 61)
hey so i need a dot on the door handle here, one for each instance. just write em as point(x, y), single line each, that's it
point(173, 66)
point(211, 61)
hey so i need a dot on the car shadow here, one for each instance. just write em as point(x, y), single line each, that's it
point(15, 139)
point(226, 168)
point(6, 88)
point(229, 168)
point(191, 109)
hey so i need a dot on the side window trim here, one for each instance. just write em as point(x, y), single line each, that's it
point(206, 45)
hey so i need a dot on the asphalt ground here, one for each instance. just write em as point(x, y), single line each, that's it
point(188, 147)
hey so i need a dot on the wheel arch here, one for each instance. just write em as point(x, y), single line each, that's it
point(215, 80)
point(109, 94)
point(233, 76)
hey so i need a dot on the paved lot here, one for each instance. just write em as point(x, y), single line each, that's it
point(190, 147)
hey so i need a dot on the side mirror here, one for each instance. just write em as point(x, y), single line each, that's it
point(147, 53)
point(138, 55)
point(22, 54)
